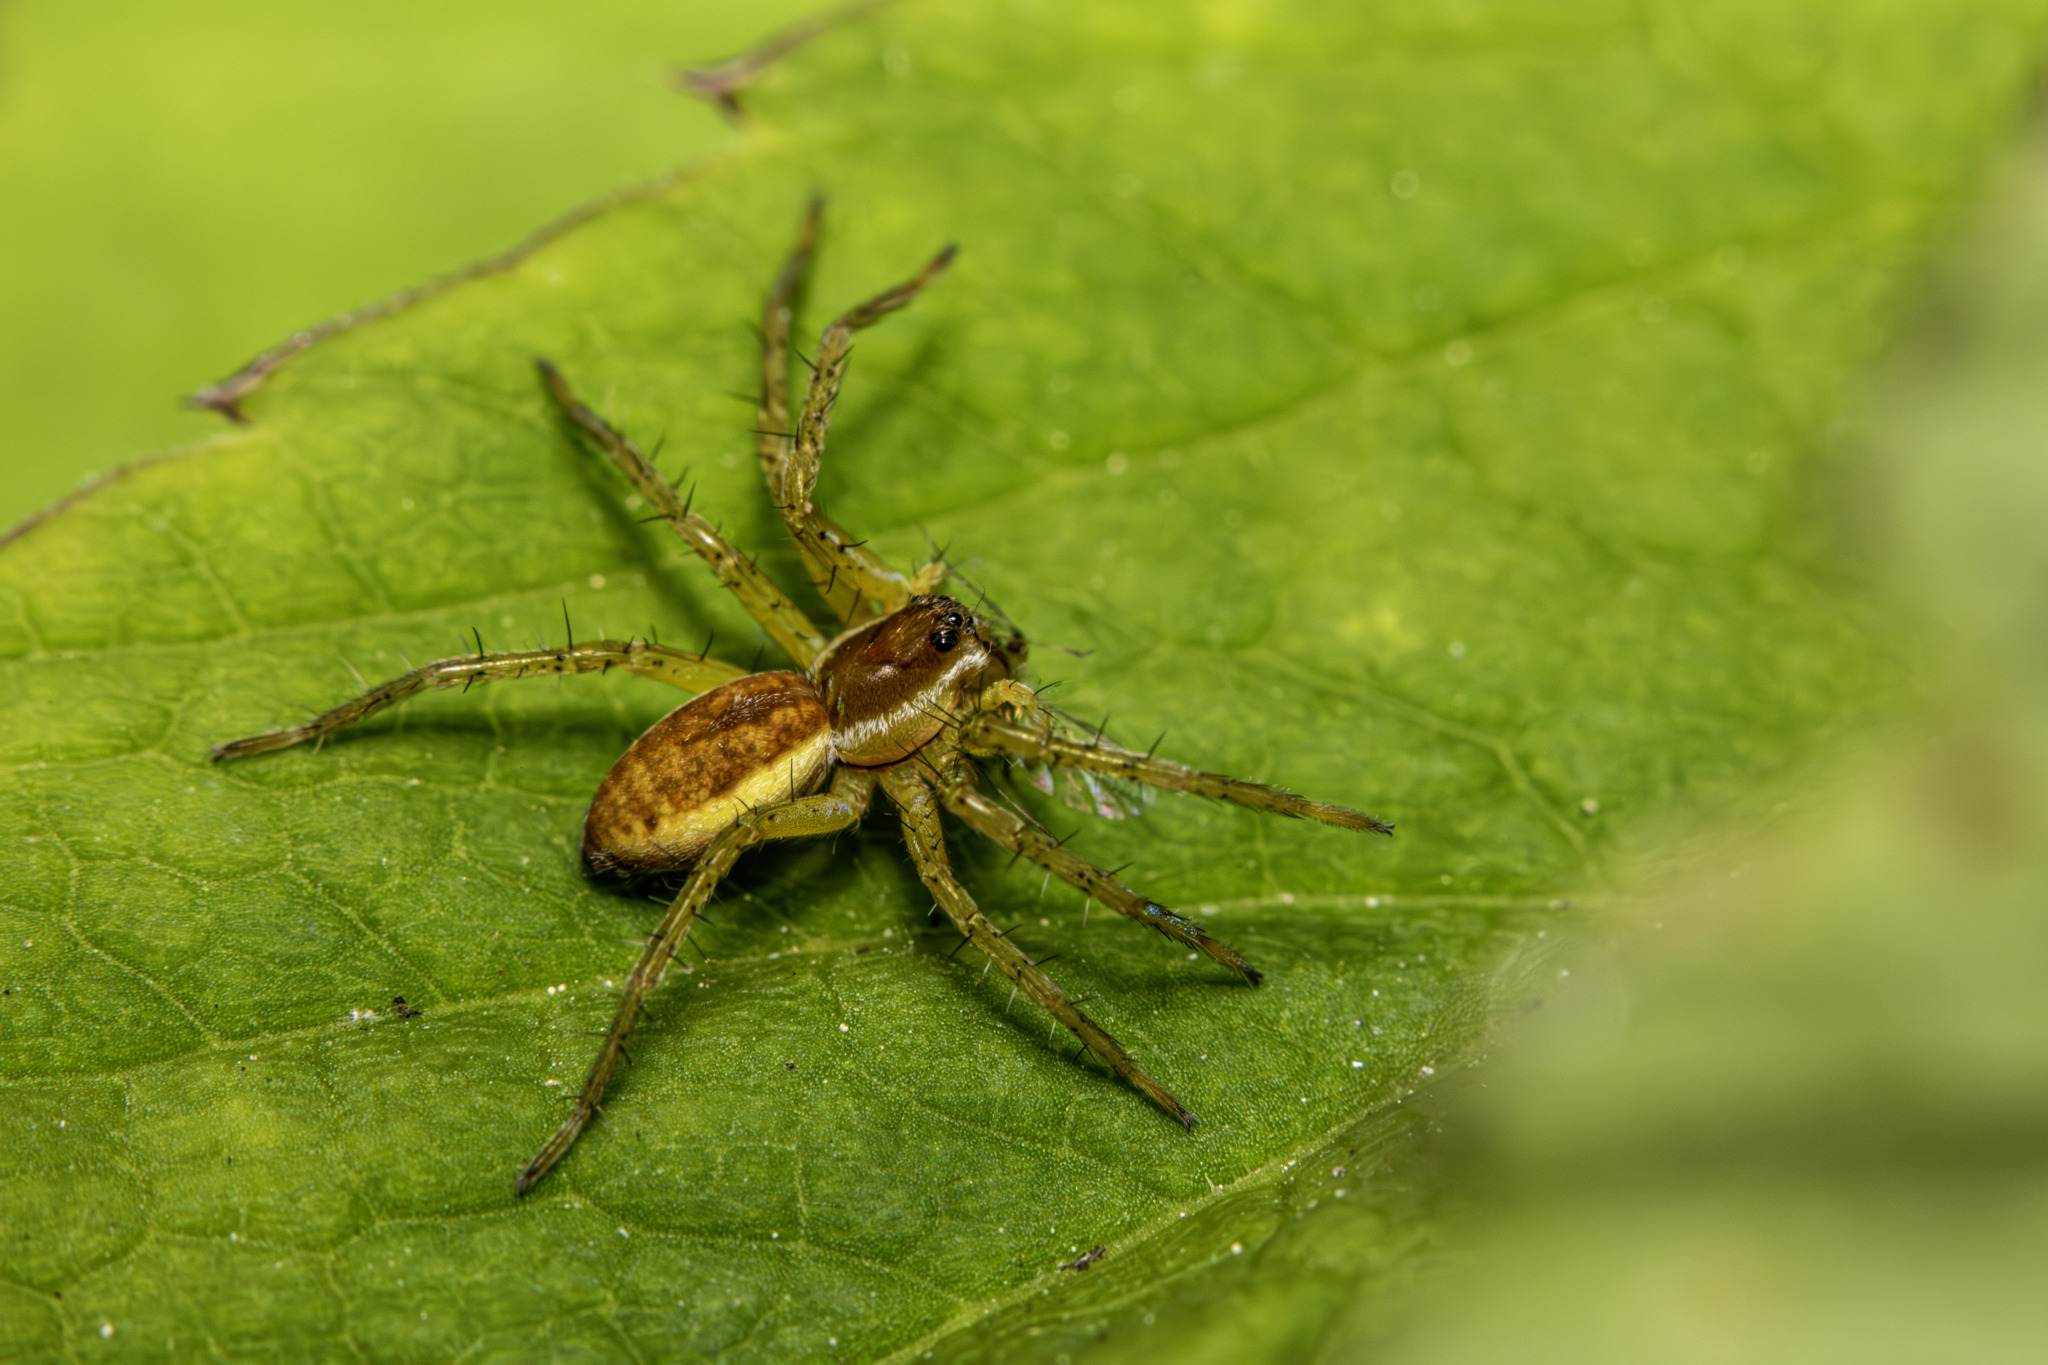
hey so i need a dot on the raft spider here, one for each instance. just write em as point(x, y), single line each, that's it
point(909, 691)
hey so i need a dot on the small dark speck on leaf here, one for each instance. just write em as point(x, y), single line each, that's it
point(1085, 1259)
point(789, 1066)
point(401, 1009)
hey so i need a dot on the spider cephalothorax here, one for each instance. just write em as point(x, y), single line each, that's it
point(891, 686)
point(912, 690)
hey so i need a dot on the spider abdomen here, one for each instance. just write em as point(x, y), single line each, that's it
point(754, 742)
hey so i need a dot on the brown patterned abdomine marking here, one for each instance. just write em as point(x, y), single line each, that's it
point(754, 742)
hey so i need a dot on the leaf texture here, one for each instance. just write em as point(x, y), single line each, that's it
point(1418, 406)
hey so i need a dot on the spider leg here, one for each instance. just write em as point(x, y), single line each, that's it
point(965, 799)
point(920, 815)
point(837, 809)
point(988, 735)
point(852, 579)
point(772, 432)
point(784, 621)
point(687, 671)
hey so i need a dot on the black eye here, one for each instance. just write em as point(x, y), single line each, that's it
point(944, 638)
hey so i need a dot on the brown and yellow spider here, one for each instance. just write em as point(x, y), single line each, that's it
point(910, 692)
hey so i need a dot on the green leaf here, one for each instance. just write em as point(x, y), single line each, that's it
point(1417, 408)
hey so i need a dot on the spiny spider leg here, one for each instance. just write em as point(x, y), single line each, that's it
point(920, 814)
point(854, 580)
point(840, 808)
point(784, 621)
point(966, 800)
point(690, 672)
point(987, 735)
point(772, 433)
point(835, 564)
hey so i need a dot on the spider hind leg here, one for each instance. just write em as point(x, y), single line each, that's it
point(840, 808)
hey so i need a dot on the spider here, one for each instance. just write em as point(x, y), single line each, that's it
point(905, 696)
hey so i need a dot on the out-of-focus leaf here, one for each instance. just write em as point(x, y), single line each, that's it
point(1411, 406)
point(1818, 1135)
point(185, 181)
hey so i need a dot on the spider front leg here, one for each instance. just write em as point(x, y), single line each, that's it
point(837, 809)
point(784, 621)
point(988, 735)
point(691, 672)
point(852, 579)
point(920, 815)
point(772, 434)
point(964, 798)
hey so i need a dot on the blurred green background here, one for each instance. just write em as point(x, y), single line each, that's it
point(1797, 1108)
point(181, 185)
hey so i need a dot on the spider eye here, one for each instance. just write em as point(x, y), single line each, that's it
point(944, 638)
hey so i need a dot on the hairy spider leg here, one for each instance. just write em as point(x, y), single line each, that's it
point(920, 816)
point(772, 432)
point(988, 735)
point(784, 621)
point(690, 672)
point(839, 808)
point(837, 566)
point(964, 798)
point(855, 581)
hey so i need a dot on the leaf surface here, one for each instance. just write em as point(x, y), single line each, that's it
point(1416, 407)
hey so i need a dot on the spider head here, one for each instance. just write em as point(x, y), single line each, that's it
point(893, 684)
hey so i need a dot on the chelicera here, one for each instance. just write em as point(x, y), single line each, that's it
point(908, 695)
